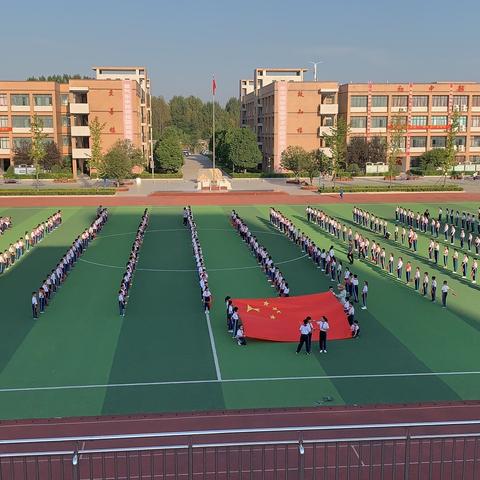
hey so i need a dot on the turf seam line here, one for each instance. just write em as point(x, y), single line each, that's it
point(214, 348)
point(239, 380)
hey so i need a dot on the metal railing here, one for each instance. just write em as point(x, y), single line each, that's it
point(419, 450)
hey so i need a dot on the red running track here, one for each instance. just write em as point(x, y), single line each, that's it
point(236, 198)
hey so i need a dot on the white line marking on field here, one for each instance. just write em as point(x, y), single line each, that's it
point(214, 348)
point(235, 380)
point(227, 269)
point(358, 456)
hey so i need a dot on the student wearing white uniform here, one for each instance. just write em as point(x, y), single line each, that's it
point(445, 290)
point(364, 295)
point(305, 330)
point(324, 326)
point(34, 305)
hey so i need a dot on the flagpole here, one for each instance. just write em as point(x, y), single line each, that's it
point(213, 121)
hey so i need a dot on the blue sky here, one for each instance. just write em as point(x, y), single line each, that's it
point(183, 42)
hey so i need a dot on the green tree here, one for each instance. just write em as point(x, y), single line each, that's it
point(357, 152)
point(232, 109)
point(449, 159)
point(161, 117)
point(336, 141)
point(243, 151)
point(168, 153)
point(53, 157)
point(293, 158)
point(118, 162)
point(395, 144)
point(311, 164)
point(38, 150)
point(377, 150)
point(96, 159)
point(433, 160)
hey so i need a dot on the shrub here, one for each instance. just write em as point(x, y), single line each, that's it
point(392, 188)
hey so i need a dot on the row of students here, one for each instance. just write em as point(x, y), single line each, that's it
point(426, 222)
point(370, 221)
point(327, 262)
point(377, 255)
point(127, 278)
point(274, 275)
point(5, 224)
point(234, 324)
point(205, 293)
point(31, 238)
point(53, 281)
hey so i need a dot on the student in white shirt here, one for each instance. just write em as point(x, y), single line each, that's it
point(364, 295)
point(445, 290)
point(240, 336)
point(34, 305)
point(305, 330)
point(324, 326)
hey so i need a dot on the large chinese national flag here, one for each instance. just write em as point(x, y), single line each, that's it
point(279, 318)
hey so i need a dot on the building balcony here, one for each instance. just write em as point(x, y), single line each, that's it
point(419, 109)
point(439, 109)
point(324, 131)
point(21, 130)
point(20, 108)
point(417, 149)
point(474, 108)
point(358, 109)
point(4, 151)
point(358, 130)
point(474, 149)
point(81, 153)
point(328, 109)
point(43, 108)
point(79, 108)
point(3, 108)
point(475, 129)
point(398, 109)
point(80, 131)
point(378, 130)
point(379, 109)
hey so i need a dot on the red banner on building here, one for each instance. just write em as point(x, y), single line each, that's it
point(278, 319)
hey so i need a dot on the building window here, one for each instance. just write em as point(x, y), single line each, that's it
point(379, 100)
point(64, 99)
point(4, 143)
point(419, 142)
point(439, 120)
point(476, 121)
point(3, 121)
point(379, 122)
point(420, 101)
point(19, 142)
point(65, 121)
point(20, 99)
point(359, 101)
point(460, 141)
point(462, 122)
point(475, 101)
point(475, 158)
point(440, 101)
point(358, 122)
point(46, 121)
point(438, 142)
point(3, 100)
point(475, 142)
point(399, 101)
point(65, 140)
point(42, 100)
point(21, 121)
point(419, 120)
point(460, 100)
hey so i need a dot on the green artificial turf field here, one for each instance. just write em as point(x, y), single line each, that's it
point(82, 358)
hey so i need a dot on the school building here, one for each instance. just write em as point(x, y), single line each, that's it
point(118, 96)
point(284, 109)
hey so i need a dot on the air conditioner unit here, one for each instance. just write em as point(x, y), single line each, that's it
point(460, 148)
point(456, 108)
point(464, 108)
point(462, 128)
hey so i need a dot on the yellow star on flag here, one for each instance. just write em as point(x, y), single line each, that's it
point(272, 317)
point(250, 308)
point(274, 309)
point(266, 303)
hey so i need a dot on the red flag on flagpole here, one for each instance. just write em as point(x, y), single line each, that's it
point(214, 86)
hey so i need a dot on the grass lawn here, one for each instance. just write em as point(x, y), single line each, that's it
point(82, 358)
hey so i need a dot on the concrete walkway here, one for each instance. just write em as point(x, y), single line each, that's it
point(193, 165)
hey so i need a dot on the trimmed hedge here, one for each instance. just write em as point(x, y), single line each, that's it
point(392, 188)
point(11, 192)
point(161, 175)
point(41, 176)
